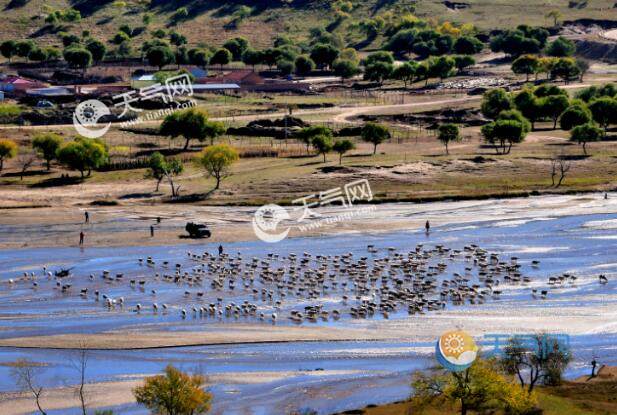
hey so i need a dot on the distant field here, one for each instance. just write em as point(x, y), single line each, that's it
point(208, 22)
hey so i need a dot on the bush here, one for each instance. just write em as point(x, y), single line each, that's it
point(9, 113)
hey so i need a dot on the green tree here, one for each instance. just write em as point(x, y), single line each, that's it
point(553, 106)
point(47, 145)
point(199, 57)
point(405, 72)
point(221, 57)
point(8, 49)
point(324, 55)
point(448, 133)
point(83, 155)
point(503, 134)
point(494, 101)
point(463, 61)
point(585, 133)
point(97, 49)
point(541, 360)
point(527, 103)
point(375, 134)
point(217, 160)
point(574, 115)
point(526, 64)
point(341, 147)
point(24, 47)
point(566, 69)
point(561, 47)
point(304, 65)
point(381, 56)
point(468, 45)
point(160, 56)
point(307, 134)
point(174, 393)
point(8, 150)
point(285, 67)
point(38, 55)
point(253, 57)
point(346, 69)
point(604, 111)
point(78, 57)
point(402, 42)
point(378, 72)
point(160, 168)
point(237, 46)
point(441, 67)
point(323, 145)
point(192, 124)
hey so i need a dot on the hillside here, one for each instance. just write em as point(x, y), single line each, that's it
point(211, 22)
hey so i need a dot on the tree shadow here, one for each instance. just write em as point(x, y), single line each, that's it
point(57, 182)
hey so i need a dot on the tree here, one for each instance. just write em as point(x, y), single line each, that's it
point(69, 39)
point(221, 57)
point(527, 103)
point(26, 374)
point(24, 47)
point(555, 15)
point(604, 111)
point(541, 359)
point(78, 57)
point(566, 69)
point(97, 49)
point(323, 145)
point(346, 69)
point(381, 56)
point(448, 133)
point(342, 147)
point(324, 54)
point(468, 45)
point(375, 134)
point(8, 150)
point(585, 133)
point(160, 56)
point(191, 124)
point(285, 67)
point(304, 65)
point(553, 106)
point(199, 57)
point(237, 46)
point(378, 72)
point(174, 393)
point(481, 388)
point(574, 115)
point(526, 64)
point(402, 41)
point(494, 101)
point(46, 145)
point(503, 134)
point(519, 42)
point(583, 66)
point(307, 134)
point(561, 48)
point(8, 49)
point(405, 72)
point(38, 55)
point(156, 168)
point(83, 154)
point(463, 61)
point(253, 57)
point(217, 160)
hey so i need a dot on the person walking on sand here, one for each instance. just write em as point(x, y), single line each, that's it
point(151, 231)
point(220, 250)
point(427, 226)
point(81, 238)
point(87, 216)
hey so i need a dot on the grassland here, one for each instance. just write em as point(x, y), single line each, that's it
point(208, 21)
point(572, 398)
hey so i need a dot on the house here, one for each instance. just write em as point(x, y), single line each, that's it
point(244, 78)
point(215, 87)
point(51, 92)
point(17, 85)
